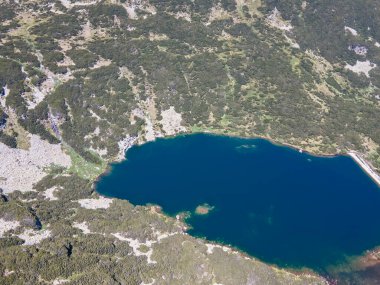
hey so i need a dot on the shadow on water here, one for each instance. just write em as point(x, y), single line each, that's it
point(274, 203)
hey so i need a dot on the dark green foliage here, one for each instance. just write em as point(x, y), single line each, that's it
point(59, 26)
point(235, 75)
point(241, 30)
point(35, 127)
point(6, 12)
point(53, 57)
point(53, 66)
point(357, 80)
point(3, 118)
point(36, 76)
point(78, 187)
point(8, 140)
point(82, 58)
point(33, 122)
point(181, 30)
point(10, 72)
point(229, 5)
point(331, 81)
point(46, 44)
point(10, 241)
point(83, 96)
point(375, 76)
point(15, 99)
point(90, 157)
point(321, 25)
point(14, 210)
point(103, 15)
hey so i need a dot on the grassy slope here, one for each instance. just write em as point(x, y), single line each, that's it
point(227, 71)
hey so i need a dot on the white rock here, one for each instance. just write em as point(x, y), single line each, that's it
point(101, 203)
point(351, 30)
point(6, 226)
point(83, 227)
point(359, 50)
point(60, 281)
point(135, 244)
point(32, 237)
point(20, 169)
point(362, 67)
point(69, 4)
point(124, 145)
point(275, 20)
point(151, 283)
point(171, 122)
point(8, 272)
point(2, 98)
point(49, 194)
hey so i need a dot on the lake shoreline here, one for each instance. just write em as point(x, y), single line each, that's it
point(366, 166)
point(355, 155)
point(235, 140)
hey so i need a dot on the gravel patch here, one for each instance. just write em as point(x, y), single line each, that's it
point(101, 203)
point(32, 237)
point(20, 169)
point(362, 67)
point(6, 226)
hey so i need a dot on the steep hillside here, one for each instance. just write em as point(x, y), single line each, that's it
point(82, 81)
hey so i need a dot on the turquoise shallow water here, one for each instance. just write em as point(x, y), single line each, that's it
point(274, 203)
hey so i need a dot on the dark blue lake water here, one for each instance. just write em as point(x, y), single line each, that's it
point(274, 203)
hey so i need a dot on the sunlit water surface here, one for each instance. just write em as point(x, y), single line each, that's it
point(272, 202)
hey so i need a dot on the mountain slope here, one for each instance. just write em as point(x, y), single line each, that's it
point(95, 77)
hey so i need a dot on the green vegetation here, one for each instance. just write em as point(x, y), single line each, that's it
point(83, 168)
point(82, 58)
point(201, 70)
point(222, 66)
point(99, 257)
point(104, 15)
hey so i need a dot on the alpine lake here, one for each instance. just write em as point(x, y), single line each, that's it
point(271, 202)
